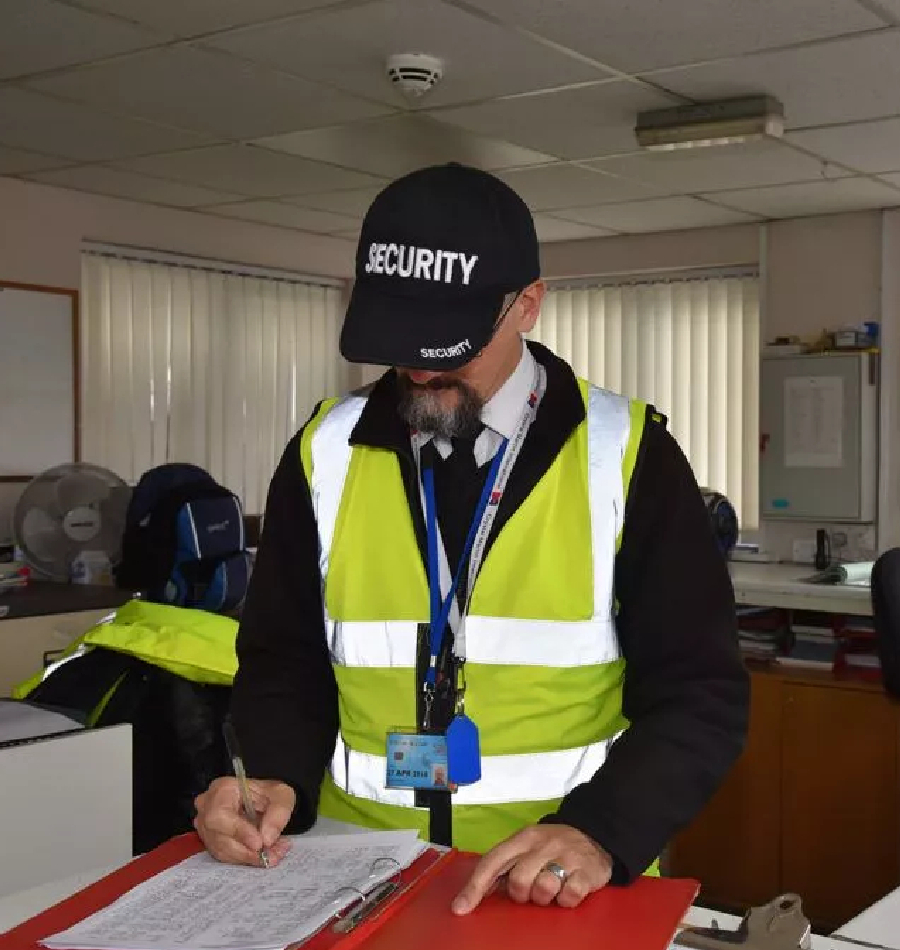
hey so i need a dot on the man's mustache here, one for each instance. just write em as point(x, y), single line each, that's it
point(438, 384)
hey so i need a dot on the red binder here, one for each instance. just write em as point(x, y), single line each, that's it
point(642, 916)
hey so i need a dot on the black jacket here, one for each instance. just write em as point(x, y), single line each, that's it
point(686, 693)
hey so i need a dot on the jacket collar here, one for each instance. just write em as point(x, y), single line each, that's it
point(560, 413)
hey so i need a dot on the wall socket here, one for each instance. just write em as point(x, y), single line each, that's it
point(804, 551)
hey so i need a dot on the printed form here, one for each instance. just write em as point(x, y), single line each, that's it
point(202, 904)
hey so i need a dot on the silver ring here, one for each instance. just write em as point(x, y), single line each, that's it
point(557, 870)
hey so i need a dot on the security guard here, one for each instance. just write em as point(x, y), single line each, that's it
point(488, 603)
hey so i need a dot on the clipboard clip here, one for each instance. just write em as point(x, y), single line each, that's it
point(371, 903)
point(778, 925)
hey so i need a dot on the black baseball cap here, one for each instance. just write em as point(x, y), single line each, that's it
point(438, 252)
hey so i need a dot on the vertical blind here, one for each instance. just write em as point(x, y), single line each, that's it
point(201, 365)
point(690, 347)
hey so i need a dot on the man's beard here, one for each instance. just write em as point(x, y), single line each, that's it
point(423, 410)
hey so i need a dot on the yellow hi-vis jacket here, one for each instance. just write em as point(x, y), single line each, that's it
point(194, 644)
point(544, 671)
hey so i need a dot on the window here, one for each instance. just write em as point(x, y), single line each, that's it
point(202, 364)
point(689, 346)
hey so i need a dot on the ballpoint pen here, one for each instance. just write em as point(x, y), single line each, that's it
point(237, 763)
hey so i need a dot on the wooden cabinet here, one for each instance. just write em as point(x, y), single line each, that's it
point(812, 806)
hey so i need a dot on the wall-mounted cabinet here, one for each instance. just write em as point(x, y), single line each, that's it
point(819, 437)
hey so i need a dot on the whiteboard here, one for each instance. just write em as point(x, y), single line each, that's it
point(37, 380)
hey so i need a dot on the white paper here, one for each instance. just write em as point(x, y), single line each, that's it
point(201, 904)
point(813, 422)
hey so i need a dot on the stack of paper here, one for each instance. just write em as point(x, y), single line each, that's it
point(850, 574)
point(201, 904)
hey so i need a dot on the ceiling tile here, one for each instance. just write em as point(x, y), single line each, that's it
point(644, 34)
point(196, 89)
point(32, 121)
point(400, 144)
point(890, 9)
point(286, 216)
point(15, 160)
point(120, 184)
point(354, 203)
point(821, 197)
point(691, 171)
point(865, 146)
point(38, 35)
point(191, 17)
point(348, 47)
point(843, 81)
point(660, 214)
point(567, 186)
point(249, 171)
point(583, 122)
point(555, 229)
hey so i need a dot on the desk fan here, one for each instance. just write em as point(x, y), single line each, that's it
point(69, 514)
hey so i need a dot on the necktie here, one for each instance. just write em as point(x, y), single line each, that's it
point(462, 459)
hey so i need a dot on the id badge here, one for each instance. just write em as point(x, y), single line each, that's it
point(416, 761)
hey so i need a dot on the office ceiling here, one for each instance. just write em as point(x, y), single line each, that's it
point(279, 111)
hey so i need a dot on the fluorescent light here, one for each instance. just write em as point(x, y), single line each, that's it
point(723, 122)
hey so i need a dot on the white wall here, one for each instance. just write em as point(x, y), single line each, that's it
point(669, 250)
point(41, 230)
point(889, 462)
point(822, 272)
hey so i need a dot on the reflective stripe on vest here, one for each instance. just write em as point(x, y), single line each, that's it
point(532, 645)
point(362, 774)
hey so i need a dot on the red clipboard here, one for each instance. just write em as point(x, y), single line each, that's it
point(643, 916)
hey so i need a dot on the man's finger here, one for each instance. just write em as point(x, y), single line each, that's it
point(233, 825)
point(278, 851)
point(230, 851)
point(529, 871)
point(545, 888)
point(493, 865)
point(276, 813)
point(575, 889)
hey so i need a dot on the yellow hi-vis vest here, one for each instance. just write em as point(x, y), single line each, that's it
point(544, 670)
point(195, 644)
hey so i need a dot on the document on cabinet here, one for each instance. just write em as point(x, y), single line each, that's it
point(202, 904)
point(813, 422)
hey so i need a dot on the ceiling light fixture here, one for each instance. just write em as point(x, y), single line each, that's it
point(722, 122)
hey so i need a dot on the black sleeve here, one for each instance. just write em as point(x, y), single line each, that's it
point(686, 692)
point(284, 701)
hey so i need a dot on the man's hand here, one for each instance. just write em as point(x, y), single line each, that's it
point(521, 859)
point(227, 833)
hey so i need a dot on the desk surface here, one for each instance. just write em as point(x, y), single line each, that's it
point(784, 585)
point(879, 925)
point(41, 598)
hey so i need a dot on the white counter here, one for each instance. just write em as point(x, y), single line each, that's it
point(880, 924)
point(784, 585)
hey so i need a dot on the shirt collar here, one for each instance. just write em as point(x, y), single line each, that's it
point(502, 411)
point(500, 414)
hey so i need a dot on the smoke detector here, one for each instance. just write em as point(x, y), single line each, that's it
point(414, 74)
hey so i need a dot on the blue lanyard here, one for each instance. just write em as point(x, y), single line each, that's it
point(440, 607)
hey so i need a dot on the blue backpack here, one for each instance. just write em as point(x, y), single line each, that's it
point(184, 541)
